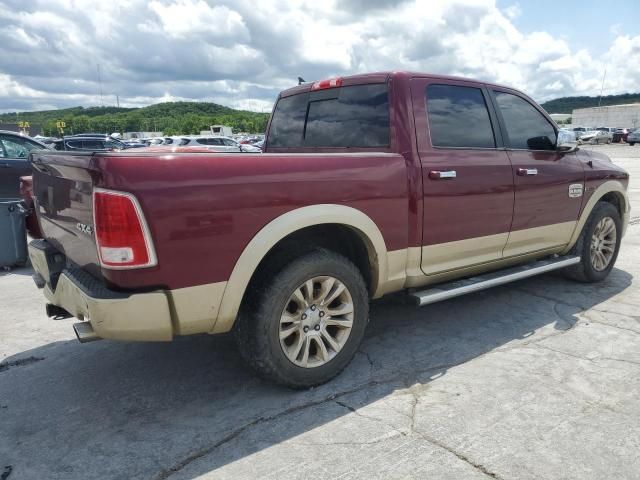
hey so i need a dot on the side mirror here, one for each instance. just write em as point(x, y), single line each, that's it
point(566, 141)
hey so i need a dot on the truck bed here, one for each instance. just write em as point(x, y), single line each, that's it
point(204, 208)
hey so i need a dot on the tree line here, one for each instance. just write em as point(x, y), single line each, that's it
point(171, 118)
point(568, 104)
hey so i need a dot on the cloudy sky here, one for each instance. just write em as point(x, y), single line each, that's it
point(240, 53)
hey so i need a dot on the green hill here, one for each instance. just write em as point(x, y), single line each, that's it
point(172, 118)
point(568, 104)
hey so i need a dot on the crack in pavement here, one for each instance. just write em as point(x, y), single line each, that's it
point(166, 473)
point(369, 359)
point(478, 466)
point(434, 442)
point(19, 363)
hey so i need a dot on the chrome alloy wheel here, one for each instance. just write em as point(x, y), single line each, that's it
point(603, 244)
point(316, 321)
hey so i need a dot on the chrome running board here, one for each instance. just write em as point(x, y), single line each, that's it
point(456, 288)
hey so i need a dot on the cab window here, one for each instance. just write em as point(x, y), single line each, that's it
point(458, 117)
point(527, 128)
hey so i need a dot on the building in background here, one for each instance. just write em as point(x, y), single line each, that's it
point(615, 116)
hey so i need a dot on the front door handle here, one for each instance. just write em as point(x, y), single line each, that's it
point(442, 175)
point(4, 165)
point(523, 172)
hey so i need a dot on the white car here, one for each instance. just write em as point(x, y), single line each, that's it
point(595, 137)
point(219, 144)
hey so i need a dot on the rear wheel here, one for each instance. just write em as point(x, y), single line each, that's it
point(304, 326)
point(632, 143)
point(598, 244)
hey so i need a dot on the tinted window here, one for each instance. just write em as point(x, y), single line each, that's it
point(526, 127)
point(458, 117)
point(356, 116)
point(93, 144)
point(112, 144)
point(74, 144)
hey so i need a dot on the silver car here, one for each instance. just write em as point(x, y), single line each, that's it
point(220, 144)
point(633, 137)
point(595, 137)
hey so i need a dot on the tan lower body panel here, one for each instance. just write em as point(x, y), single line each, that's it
point(194, 309)
point(423, 280)
point(141, 317)
point(461, 253)
point(448, 261)
point(522, 242)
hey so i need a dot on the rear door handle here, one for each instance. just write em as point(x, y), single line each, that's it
point(4, 165)
point(442, 175)
point(523, 172)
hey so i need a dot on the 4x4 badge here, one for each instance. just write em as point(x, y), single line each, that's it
point(575, 190)
point(84, 228)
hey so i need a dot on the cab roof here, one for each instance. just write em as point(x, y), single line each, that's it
point(381, 77)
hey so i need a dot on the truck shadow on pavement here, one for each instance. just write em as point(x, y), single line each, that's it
point(186, 408)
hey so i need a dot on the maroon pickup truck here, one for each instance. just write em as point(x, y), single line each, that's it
point(368, 184)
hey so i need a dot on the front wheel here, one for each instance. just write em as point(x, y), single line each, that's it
point(304, 325)
point(598, 244)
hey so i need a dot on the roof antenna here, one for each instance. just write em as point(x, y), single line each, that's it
point(301, 80)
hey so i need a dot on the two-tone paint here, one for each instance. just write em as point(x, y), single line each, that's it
point(214, 217)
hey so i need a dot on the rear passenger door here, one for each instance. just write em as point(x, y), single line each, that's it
point(467, 178)
point(14, 163)
point(548, 183)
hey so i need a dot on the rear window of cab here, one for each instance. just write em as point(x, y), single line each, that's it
point(345, 117)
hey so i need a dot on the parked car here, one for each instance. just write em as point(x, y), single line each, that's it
point(14, 162)
point(221, 144)
point(620, 135)
point(134, 143)
point(580, 131)
point(366, 188)
point(595, 137)
point(633, 137)
point(90, 144)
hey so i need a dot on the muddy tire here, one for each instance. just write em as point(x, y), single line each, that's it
point(598, 245)
point(304, 325)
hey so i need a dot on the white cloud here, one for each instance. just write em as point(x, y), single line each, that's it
point(242, 52)
point(513, 11)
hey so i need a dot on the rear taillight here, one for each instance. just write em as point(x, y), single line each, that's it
point(122, 235)
point(329, 83)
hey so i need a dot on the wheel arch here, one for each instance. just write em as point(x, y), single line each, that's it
point(611, 191)
point(281, 228)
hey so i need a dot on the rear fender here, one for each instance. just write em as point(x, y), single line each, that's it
point(287, 224)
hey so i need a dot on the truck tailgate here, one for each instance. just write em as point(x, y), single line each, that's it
point(62, 189)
